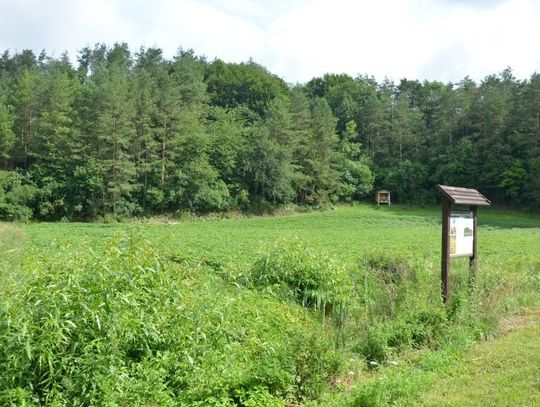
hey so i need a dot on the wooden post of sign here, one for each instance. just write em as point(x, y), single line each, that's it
point(445, 252)
point(473, 258)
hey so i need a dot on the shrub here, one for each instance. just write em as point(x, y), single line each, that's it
point(373, 346)
point(383, 282)
point(297, 272)
point(16, 196)
point(391, 269)
point(400, 334)
point(428, 326)
point(423, 327)
point(121, 326)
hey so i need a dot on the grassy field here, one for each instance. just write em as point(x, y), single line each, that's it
point(347, 232)
point(336, 308)
point(502, 372)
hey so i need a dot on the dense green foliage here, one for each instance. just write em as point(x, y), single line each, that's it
point(242, 313)
point(127, 134)
point(123, 326)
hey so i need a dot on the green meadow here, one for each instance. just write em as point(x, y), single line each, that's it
point(333, 308)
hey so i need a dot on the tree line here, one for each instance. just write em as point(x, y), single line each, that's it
point(129, 134)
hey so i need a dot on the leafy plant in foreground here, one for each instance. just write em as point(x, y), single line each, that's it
point(122, 326)
point(297, 272)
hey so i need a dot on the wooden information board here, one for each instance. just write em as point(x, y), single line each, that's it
point(459, 229)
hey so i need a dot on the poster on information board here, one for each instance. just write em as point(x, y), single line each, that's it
point(461, 233)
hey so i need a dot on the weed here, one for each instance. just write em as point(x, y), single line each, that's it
point(295, 271)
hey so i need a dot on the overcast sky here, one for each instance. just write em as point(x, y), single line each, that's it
point(442, 40)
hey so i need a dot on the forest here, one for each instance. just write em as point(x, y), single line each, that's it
point(126, 134)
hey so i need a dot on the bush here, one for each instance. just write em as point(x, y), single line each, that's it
point(16, 196)
point(421, 328)
point(373, 346)
point(384, 281)
point(424, 327)
point(121, 326)
point(385, 294)
point(391, 269)
point(297, 272)
point(428, 327)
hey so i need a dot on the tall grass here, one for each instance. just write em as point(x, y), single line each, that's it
point(120, 326)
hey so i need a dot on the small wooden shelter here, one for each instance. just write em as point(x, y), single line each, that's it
point(383, 197)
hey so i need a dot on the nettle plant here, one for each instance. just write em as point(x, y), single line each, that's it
point(294, 271)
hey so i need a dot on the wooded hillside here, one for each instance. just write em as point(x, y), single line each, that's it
point(128, 134)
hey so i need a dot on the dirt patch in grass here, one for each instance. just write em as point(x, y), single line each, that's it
point(524, 319)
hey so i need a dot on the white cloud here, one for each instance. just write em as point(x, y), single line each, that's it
point(436, 40)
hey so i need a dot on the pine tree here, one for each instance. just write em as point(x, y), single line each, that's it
point(145, 144)
point(7, 137)
point(323, 157)
point(114, 131)
point(27, 103)
point(53, 159)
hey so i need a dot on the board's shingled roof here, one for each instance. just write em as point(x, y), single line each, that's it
point(463, 196)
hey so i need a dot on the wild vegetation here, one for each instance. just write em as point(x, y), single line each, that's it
point(127, 134)
point(333, 308)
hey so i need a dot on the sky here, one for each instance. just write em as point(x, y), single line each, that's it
point(444, 40)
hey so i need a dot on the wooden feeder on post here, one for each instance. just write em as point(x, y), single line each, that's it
point(459, 229)
point(383, 197)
